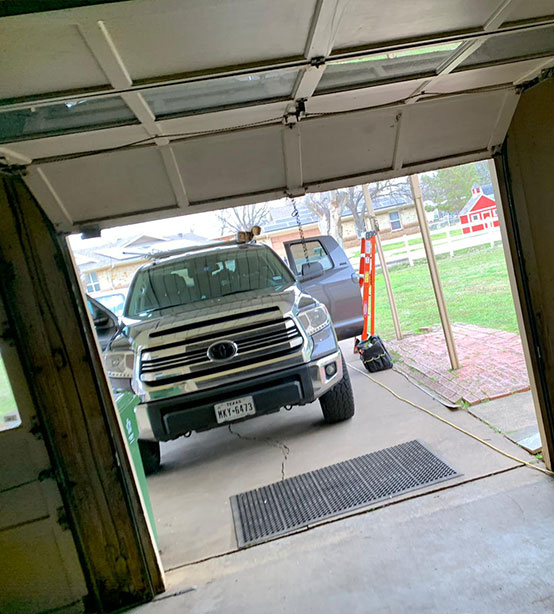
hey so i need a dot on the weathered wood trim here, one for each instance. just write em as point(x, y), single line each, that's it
point(60, 356)
point(526, 182)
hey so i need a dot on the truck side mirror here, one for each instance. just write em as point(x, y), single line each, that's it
point(311, 270)
point(101, 320)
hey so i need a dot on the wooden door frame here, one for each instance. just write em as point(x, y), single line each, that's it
point(59, 353)
point(526, 150)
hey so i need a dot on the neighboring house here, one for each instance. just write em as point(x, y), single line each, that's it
point(395, 217)
point(283, 226)
point(480, 210)
point(107, 270)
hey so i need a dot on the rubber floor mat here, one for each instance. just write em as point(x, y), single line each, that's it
point(298, 502)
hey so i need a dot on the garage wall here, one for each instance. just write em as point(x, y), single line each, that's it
point(37, 551)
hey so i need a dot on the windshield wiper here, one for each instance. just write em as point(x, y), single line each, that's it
point(239, 292)
point(160, 308)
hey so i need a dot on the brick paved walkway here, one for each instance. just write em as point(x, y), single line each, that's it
point(492, 363)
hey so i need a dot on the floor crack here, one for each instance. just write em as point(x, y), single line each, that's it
point(275, 443)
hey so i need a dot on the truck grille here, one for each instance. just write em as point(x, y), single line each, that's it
point(187, 359)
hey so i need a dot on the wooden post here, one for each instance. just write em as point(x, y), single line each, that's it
point(59, 353)
point(433, 270)
point(383, 262)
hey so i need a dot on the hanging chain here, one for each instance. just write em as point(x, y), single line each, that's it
point(296, 215)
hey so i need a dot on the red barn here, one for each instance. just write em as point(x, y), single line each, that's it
point(479, 212)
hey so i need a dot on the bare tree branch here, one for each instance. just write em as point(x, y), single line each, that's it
point(238, 219)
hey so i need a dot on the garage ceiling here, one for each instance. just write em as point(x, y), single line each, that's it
point(140, 109)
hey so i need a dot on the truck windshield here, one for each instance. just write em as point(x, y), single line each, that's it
point(205, 276)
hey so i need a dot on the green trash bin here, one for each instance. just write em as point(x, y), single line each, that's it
point(126, 403)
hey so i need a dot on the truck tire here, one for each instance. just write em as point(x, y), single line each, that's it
point(150, 455)
point(338, 403)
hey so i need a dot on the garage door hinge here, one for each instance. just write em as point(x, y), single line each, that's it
point(317, 62)
point(297, 114)
point(12, 170)
point(46, 474)
point(36, 429)
point(547, 73)
point(62, 518)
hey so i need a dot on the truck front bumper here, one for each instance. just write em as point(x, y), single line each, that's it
point(170, 418)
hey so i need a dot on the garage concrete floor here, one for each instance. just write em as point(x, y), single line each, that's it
point(483, 546)
point(190, 496)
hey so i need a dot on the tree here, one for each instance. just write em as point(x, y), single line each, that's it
point(450, 188)
point(328, 207)
point(238, 219)
point(355, 203)
point(393, 191)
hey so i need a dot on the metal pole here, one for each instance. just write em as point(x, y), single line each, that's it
point(433, 270)
point(384, 267)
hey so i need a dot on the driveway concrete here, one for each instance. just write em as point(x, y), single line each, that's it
point(190, 496)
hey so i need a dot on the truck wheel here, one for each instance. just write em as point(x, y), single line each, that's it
point(338, 403)
point(150, 455)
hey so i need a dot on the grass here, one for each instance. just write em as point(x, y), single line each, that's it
point(7, 401)
point(476, 288)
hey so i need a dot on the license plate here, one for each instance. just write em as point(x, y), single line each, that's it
point(234, 410)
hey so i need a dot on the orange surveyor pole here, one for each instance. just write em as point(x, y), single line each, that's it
point(367, 283)
point(372, 328)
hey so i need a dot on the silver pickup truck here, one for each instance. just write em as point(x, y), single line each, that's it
point(227, 332)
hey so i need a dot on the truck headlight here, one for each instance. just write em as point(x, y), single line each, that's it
point(315, 319)
point(119, 364)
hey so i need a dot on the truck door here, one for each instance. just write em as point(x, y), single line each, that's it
point(329, 277)
point(105, 322)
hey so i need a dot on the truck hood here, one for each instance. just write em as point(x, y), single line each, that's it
point(289, 300)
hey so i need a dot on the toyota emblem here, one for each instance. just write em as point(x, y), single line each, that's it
point(222, 350)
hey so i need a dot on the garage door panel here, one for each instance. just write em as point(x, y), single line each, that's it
point(38, 551)
point(362, 98)
point(36, 59)
point(373, 21)
point(338, 146)
point(452, 126)
point(528, 10)
point(199, 35)
point(484, 77)
point(108, 185)
point(232, 164)
point(221, 120)
point(52, 146)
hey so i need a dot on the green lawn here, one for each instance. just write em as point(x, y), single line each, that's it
point(476, 289)
point(7, 402)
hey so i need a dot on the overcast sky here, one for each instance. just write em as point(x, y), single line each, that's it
point(204, 224)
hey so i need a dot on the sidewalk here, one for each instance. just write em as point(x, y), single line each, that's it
point(492, 363)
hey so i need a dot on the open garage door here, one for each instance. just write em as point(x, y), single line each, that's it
point(135, 110)
point(130, 111)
